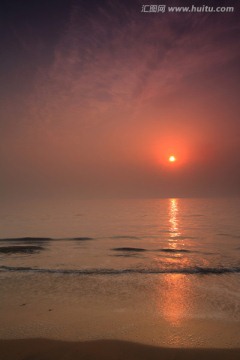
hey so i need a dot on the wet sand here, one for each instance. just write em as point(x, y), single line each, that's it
point(41, 349)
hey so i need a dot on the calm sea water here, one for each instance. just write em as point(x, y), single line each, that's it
point(134, 236)
point(164, 259)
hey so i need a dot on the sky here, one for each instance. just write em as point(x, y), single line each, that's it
point(96, 95)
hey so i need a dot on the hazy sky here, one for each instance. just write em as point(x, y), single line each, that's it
point(96, 95)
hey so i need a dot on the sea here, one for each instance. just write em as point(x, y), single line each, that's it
point(156, 271)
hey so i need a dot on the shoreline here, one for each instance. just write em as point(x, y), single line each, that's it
point(44, 349)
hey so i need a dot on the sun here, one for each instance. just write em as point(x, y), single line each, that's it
point(172, 158)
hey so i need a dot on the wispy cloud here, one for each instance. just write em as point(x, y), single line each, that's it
point(120, 80)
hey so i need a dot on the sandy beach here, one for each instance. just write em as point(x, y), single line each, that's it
point(41, 349)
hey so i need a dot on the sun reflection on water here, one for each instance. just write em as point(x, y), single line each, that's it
point(173, 292)
point(174, 301)
point(174, 222)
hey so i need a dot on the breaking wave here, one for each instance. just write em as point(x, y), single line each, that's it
point(187, 271)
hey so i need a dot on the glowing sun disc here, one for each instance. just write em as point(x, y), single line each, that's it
point(172, 158)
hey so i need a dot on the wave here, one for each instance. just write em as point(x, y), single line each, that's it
point(27, 239)
point(169, 250)
point(129, 249)
point(42, 239)
point(180, 237)
point(174, 250)
point(229, 235)
point(186, 271)
point(20, 249)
